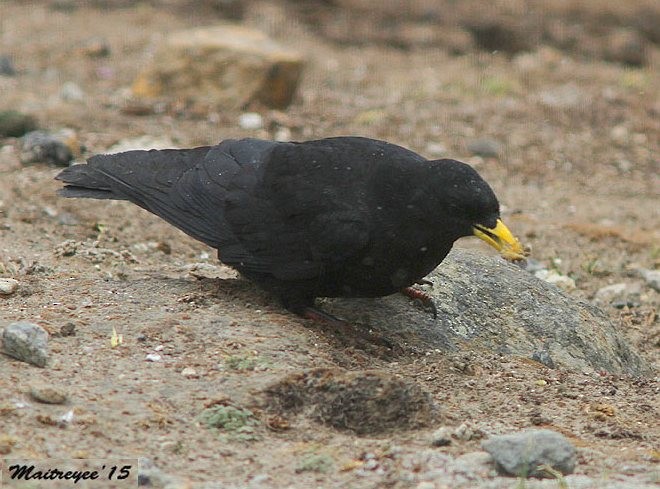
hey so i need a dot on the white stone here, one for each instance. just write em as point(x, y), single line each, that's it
point(189, 372)
point(251, 120)
point(562, 281)
point(8, 286)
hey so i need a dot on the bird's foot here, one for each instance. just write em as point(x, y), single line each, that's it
point(346, 332)
point(423, 298)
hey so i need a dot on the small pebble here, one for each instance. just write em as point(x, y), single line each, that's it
point(436, 150)
point(486, 148)
point(282, 134)
point(620, 134)
point(251, 120)
point(520, 454)
point(153, 357)
point(8, 286)
point(620, 293)
point(628, 302)
point(465, 432)
point(95, 47)
point(441, 437)
point(48, 394)
point(69, 329)
point(6, 66)
point(26, 342)
point(652, 278)
point(189, 372)
point(562, 281)
point(71, 92)
point(66, 418)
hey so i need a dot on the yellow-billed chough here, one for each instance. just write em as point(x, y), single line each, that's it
point(335, 217)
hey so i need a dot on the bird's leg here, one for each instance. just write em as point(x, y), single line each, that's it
point(423, 297)
point(320, 316)
point(344, 330)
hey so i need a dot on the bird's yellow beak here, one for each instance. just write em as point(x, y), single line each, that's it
point(501, 239)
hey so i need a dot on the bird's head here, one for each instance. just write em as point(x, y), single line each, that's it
point(474, 208)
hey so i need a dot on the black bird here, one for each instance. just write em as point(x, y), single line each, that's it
point(335, 217)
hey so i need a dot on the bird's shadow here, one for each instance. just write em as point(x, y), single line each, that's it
point(368, 325)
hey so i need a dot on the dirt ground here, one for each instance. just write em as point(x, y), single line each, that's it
point(577, 176)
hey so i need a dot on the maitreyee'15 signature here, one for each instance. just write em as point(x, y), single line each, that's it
point(28, 472)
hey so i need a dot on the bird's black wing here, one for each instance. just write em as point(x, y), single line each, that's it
point(317, 201)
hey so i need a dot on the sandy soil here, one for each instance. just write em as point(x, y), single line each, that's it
point(577, 177)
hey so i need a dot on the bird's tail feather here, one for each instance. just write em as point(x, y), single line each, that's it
point(84, 181)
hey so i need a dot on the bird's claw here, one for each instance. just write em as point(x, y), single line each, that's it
point(423, 298)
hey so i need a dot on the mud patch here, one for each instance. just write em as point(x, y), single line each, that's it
point(365, 402)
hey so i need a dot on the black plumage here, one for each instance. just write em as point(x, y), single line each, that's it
point(335, 217)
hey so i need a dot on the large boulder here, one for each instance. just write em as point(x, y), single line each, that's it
point(487, 303)
point(226, 66)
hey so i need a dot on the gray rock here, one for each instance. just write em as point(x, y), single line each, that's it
point(652, 278)
point(618, 293)
point(27, 342)
point(487, 148)
point(522, 454)
point(8, 286)
point(227, 66)
point(6, 66)
point(44, 147)
point(487, 303)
